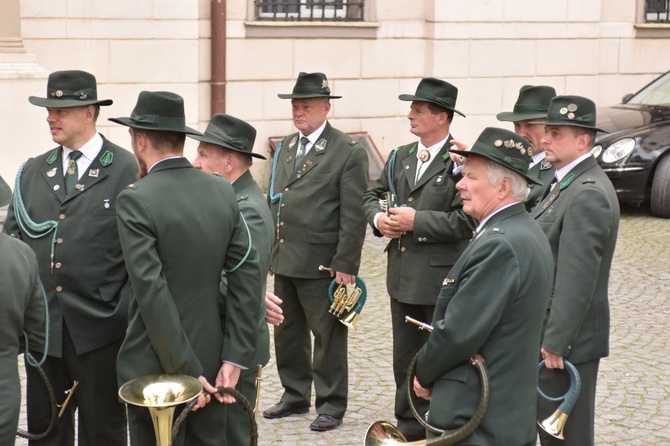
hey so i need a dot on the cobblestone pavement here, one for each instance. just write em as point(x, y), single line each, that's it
point(633, 402)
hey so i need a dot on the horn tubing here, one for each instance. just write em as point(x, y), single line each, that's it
point(241, 400)
point(570, 398)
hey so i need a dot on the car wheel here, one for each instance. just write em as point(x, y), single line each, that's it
point(660, 189)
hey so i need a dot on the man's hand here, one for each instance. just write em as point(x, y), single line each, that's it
point(457, 145)
point(204, 398)
point(342, 278)
point(384, 226)
point(402, 219)
point(228, 376)
point(274, 315)
point(551, 361)
point(421, 392)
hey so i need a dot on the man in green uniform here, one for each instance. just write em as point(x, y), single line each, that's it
point(580, 217)
point(180, 229)
point(65, 211)
point(428, 229)
point(226, 149)
point(492, 302)
point(532, 104)
point(23, 314)
point(318, 177)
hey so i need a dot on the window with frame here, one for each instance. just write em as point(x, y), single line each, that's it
point(310, 10)
point(657, 11)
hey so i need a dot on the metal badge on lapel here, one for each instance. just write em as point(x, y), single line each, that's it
point(94, 173)
point(51, 173)
point(106, 203)
point(79, 187)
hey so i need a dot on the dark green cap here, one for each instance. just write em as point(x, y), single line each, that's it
point(159, 111)
point(573, 111)
point(533, 103)
point(505, 148)
point(230, 132)
point(436, 91)
point(310, 85)
point(71, 88)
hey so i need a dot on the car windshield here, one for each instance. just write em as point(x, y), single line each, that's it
point(656, 93)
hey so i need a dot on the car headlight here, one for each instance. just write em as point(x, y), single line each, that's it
point(595, 151)
point(620, 149)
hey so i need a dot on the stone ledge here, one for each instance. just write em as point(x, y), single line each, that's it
point(20, 66)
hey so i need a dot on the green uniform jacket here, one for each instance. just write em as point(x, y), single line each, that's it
point(179, 228)
point(493, 303)
point(22, 304)
point(419, 261)
point(318, 219)
point(581, 220)
point(255, 211)
point(88, 286)
point(544, 172)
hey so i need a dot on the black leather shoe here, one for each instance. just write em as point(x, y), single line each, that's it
point(282, 409)
point(325, 423)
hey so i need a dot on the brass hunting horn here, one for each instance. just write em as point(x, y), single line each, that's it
point(555, 423)
point(383, 433)
point(344, 305)
point(162, 393)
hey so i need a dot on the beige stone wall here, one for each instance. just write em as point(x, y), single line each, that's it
point(488, 48)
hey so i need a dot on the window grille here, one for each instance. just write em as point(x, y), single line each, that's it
point(310, 10)
point(657, 11)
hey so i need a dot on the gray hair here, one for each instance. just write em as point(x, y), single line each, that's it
point(496, 173)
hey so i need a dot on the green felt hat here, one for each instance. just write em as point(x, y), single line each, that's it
point(505, 148)
point(533, 103)
point(159, 111)
point(72, 88)
point(436, 91)
point(573, 111)
point(230, 132)
point(5, 193)
point(310, 85)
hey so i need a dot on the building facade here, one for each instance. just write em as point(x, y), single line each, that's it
point(371, 50)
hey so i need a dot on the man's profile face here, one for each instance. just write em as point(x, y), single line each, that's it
point(532, 132)
point(309, 114)
point(70, 126)
point(422, 121)
point(478, 194)
point(209, 159)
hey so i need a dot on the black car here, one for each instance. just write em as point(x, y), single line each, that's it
point(636, 153)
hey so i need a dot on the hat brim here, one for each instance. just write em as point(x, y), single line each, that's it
point(569, 124)
point(66, 103)
point(129, 122)
point(306, 96)
point(216, 142)
point(516, 117)
point(467, 153)
point(411, 97)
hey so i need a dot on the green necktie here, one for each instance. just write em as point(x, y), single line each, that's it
point(301, 152)
point(72, 173)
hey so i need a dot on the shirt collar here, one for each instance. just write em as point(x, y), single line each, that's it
point(89, 150)
point(563, 171)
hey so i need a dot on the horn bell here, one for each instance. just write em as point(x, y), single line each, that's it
point(161, 394)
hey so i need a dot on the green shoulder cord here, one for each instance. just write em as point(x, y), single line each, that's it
point(28, 226)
